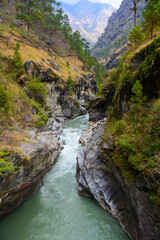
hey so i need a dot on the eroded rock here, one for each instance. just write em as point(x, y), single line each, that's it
point(35, 158)
point(103, 180)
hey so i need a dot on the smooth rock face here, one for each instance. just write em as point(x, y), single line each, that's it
point(103, 181)
point(34, 160)
point(97, 109)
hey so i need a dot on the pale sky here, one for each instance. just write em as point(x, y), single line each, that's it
point(114, 3)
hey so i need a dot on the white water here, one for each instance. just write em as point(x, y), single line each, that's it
point(57, 212)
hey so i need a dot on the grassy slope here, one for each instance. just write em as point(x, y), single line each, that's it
point(15, 106)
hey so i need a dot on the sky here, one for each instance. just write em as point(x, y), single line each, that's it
point(114, 3)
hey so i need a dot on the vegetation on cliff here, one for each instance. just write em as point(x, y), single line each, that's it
point(133, 125)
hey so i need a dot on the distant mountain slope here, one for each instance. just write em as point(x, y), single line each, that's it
point(88, 18)
point(111, 45)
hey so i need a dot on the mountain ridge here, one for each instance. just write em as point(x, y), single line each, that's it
point(112, 43)
point(88, 18)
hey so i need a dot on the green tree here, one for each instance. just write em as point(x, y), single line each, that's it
point(151, 15)
point(70, 84)
point(27, 11)
point(137, 98)
point(136, 36)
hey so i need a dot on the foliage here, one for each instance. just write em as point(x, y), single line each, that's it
point(136, 148)
point(70, 84)
point(151, 15)
point(37, 90)
point(4, 99)
point(5, 163)
point(16, 63)
point(137, 99)
point(40, 119)
point(136, 36)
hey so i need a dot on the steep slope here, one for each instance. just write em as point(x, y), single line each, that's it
point(88, 18)
point(120, 164)
point(35, 97)
point(112, 44)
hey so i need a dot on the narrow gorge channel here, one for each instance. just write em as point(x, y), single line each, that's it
point(56, 211)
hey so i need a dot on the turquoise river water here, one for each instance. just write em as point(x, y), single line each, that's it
point(56, 211)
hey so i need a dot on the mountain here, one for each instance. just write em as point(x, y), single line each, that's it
point(88, 18)
point(112, 43)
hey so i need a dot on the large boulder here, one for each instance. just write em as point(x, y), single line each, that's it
point(72, 108)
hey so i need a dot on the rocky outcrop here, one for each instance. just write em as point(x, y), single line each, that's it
point(143, 66)
point(98, 106)
point(71, 108)
point(97, 109)
point(62, 103)
point(34, 159)
point(128, 202)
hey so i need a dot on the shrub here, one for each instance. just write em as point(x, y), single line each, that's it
point(37, 91)
point(136, 36)
point(5, 163)
point(40, 118)
point(70, 84)
point(4, 99)
point(17, 62)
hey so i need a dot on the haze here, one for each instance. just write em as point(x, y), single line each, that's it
point(114, 3)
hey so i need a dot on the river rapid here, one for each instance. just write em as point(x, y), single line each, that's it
point(56, 211)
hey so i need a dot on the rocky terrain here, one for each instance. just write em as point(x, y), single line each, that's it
point(112, 43)
point(34, 157)
point(88, 18)
point(29, 136)
point(117, 166)
point(103, 180)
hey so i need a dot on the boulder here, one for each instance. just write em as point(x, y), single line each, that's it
point(71, 108)
point(17, 23)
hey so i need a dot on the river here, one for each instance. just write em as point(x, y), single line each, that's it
point(56, 211)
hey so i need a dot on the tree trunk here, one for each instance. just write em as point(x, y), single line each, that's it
point(152, 29)
point(135, 13)
point(28, 28)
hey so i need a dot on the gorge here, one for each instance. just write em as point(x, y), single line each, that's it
point(51, 89)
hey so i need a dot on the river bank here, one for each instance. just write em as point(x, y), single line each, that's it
point(56, 211)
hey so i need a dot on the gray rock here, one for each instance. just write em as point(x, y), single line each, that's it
point(34, 159)
point(54, 66)
point(17, 23)
point(103, 180)
point(72, 108)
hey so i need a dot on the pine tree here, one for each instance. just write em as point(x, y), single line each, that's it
point(151, 15)
point(137, 98)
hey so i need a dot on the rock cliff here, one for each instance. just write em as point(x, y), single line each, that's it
point(33, 159)
point(63, 104)
point(112, 44)
point(102, 179)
